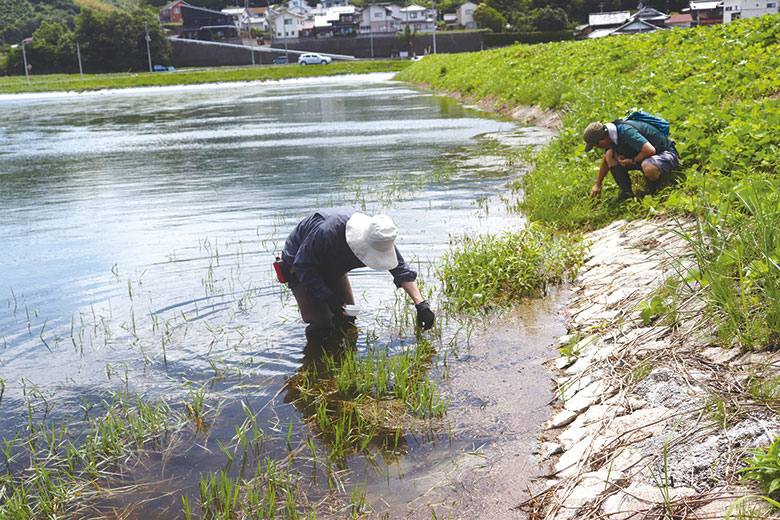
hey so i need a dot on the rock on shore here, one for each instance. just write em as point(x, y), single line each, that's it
point(639, 431)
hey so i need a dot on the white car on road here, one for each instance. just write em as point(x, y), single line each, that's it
point(313, 59)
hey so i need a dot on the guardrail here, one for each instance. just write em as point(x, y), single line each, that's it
point(262, 49)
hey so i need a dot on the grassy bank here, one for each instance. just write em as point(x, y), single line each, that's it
point(720, 89)
point(74, 82)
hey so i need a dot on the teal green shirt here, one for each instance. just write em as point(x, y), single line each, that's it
point(631, 140)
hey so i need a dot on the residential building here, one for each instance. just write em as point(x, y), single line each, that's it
point(705, 12)
point(240, 16)
point(377, 19)
point(450, 20)
point(465, 16)
point(645, 20)
point(602, 24)
point(171, 13)
point(341, 21)
point(327, 4)
point(298, 6)
point(680, 21)
point(419, 18)
point(258, 18)
point(285, 24)
point(736, 9)
point(204, 24)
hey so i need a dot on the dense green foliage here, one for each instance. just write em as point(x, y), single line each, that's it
point(20, 19)
point(488, 18)
point(508, 38)
point(72, 82)
point(488, 271)
point(735, 259)
point(550, 19)
point(720, 89)
point(718, 86)
point(765, 467)
point(109, 41)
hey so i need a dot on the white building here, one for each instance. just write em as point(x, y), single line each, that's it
point(465, 15)
point(298, 6)
point(602, 24)
point(736, 9)
point(240, 15)
point(419, 18)
point(337, 20)
point(377, 19)
point(285, 24)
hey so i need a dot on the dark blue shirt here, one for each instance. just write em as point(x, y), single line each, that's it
point(318, 252)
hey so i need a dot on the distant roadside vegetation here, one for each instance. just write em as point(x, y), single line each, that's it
point(73, 82)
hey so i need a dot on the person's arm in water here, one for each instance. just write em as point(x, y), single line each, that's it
point(425, 316)
point(404, 277)
point(413, 291)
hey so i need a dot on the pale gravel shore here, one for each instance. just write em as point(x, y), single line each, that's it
point(632, 438)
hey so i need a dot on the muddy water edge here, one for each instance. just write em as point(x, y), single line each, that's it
point(147, 351)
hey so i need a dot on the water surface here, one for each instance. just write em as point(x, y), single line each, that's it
point(139, 228)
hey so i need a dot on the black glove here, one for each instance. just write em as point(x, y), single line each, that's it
point(335, 305)
point(425, 316)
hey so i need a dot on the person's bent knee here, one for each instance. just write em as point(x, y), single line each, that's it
point(650, 170)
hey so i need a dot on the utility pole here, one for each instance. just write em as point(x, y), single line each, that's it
point(249, 30)
point(371, 28)
point(78, 53)
point(148, 50)
point(24, 57)
point(433, 13)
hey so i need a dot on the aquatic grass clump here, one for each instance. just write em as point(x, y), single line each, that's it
point(54, 471)
point(352, 401)
point(273, 492)
point(493, 271)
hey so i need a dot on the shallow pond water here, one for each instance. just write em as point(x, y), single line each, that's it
point(139, 228)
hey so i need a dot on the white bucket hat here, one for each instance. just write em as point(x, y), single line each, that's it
point(372, 239)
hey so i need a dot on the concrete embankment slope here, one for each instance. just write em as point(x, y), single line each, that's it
point(638, 434)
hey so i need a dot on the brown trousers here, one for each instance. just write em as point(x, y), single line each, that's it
point(316, 312)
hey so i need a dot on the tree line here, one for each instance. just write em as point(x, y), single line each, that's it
point(112, 41)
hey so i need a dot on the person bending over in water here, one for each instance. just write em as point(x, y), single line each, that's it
point(329, 243)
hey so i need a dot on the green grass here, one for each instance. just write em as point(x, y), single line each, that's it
point(73, 82)
point(735, 263)
point(494, 271)
point(54, 471)
point(718, 86)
